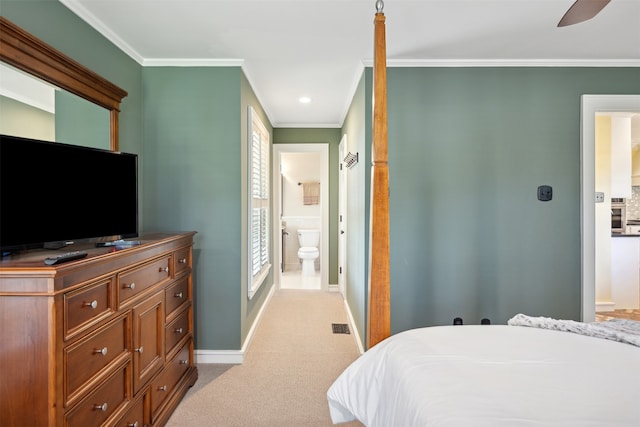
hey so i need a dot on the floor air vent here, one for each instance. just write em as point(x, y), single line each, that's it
point(340, 328)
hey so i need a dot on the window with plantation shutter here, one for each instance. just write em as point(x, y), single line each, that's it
point(259, 201)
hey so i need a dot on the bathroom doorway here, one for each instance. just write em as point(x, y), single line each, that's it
point(294, 167)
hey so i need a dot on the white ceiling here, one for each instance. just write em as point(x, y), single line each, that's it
point(317, 48)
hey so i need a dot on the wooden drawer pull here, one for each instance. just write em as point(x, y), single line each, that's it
point(178, 295)
point(92, 304)
point(102, 407)
point(162, 388)
point(182, 261)
point(102, 351)
point(131, 286)
point(178, 331)
point(165, 269)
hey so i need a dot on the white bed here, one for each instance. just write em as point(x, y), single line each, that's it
point(494, 375)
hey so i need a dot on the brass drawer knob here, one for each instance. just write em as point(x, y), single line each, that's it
point(93, 304)
point(102, 351)
point(162, 388)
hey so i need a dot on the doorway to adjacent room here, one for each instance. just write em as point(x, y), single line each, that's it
point(294, 167)
point(591, 106)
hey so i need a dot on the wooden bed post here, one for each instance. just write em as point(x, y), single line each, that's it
point(379, 319)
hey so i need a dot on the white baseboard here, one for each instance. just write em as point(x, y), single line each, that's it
point(334, 288)
point(225, 357)
point(234, 357)
point(354, 330)
point(605, 305)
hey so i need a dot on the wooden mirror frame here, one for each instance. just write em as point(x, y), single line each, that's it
point(33, 56)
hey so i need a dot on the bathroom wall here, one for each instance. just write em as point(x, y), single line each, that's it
point(298, 168)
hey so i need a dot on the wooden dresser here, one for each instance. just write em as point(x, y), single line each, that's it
point(104, 340)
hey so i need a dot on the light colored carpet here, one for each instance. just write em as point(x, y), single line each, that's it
point(292, 360)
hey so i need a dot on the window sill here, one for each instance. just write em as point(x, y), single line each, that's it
point(259, 280)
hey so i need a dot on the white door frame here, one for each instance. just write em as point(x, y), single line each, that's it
point(323, 149)
point(591, 104)
point(342, 217)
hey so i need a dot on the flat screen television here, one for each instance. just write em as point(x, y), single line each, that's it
point(53, 193)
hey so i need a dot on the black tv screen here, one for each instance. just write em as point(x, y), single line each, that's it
point(55, 192)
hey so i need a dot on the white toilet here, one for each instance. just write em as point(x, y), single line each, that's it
point(308, 252)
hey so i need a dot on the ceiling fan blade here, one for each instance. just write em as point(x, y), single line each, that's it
point(582, 10)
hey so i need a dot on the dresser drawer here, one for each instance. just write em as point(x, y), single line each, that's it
point(176, 295)
point(182, 260)
point(176, 331)
point(163, 386)
point(87, 306)
point(83, 360)
point(135, 417)
point(134, 281)
point(108, 399)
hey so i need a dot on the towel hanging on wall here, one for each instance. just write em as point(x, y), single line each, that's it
point(310, 193)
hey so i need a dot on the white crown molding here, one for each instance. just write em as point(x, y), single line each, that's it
point(192, 62)
point(76, 7)
point(355, 81)
point(417, 63)
point(99, 26)
point(308, 125)
point(256, 92)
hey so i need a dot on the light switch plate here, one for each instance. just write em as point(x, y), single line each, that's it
point(599, 197)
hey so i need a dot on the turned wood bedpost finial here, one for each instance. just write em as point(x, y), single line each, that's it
point(379, 319)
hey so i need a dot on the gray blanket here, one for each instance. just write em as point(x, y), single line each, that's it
point(621, 330)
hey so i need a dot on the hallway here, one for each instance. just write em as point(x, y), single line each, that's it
point(291, 362)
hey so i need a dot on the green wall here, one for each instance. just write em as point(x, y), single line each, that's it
point(195, 145)
point(331, 137)
point(468, 148)
point(250, 308)
point(81, 122)
point(357, 128)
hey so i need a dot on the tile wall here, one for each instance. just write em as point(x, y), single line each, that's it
point(633, 204)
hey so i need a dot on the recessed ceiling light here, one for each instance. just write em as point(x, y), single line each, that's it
point(304, 99)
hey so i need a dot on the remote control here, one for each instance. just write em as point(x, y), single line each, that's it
point(65, 257)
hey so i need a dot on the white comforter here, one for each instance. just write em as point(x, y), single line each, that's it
point(493, 376)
